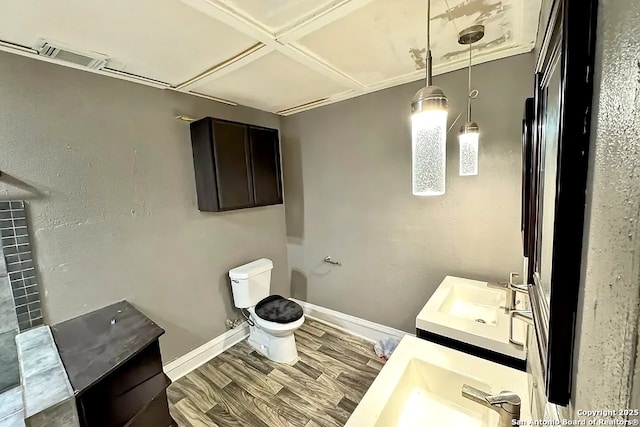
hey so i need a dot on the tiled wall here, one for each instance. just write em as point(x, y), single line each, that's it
point(9, 371)
point(20, 264)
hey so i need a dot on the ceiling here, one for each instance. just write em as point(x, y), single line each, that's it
point(282, 56)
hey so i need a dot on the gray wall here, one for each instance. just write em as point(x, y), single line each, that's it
point(606, 357)
point(347, 173)
point(108, 174)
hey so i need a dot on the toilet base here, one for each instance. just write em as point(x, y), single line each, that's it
point(279, 349)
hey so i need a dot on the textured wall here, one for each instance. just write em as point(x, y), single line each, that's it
point(348, 193)
point(608, 322)
point(108, 175)
point(605, 359)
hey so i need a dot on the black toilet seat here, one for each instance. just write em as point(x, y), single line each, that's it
point(278, 309)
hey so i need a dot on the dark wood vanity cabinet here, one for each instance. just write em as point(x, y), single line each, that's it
point(112, 359)
point(236, 165)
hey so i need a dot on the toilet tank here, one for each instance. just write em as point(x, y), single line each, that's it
point(251, 282)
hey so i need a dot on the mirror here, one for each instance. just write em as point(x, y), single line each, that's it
point(555, 149)
point(548, 171)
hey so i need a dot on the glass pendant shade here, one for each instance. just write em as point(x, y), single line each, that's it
point(429, 152)
point(470, 134)
point(469, 138)
point(429, 142)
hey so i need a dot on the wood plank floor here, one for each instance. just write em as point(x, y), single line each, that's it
point(242, 388)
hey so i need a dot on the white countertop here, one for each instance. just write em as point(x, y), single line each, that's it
point(447, 316)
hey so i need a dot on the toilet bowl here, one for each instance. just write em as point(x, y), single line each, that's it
point(272, 318)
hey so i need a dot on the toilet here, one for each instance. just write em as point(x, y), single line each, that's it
point(272, 319)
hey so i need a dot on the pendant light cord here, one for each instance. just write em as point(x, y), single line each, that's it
point(473, 93)
point(428, 25)
point(469, 96)
point(428, 66)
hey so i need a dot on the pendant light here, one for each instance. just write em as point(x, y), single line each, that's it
point(469, 133)
point(429, 132)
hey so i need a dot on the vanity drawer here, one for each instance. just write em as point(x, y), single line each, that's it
point(139, 369)
point(125, 407)
point(155, 414)
point(124, 392)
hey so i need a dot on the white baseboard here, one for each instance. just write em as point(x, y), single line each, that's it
point(353, 325)
point(199, 356)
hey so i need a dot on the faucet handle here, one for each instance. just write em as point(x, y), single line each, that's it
point(508, 399)
point(506, 403)
point(509, 402)
point(504, 396)
point(519, 288)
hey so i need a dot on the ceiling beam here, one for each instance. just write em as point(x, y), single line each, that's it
point(234, 19)
point(319, 66)
point(326, 17)
point(248, 56)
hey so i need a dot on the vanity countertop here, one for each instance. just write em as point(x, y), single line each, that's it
point(471, 312)
point(95, 344)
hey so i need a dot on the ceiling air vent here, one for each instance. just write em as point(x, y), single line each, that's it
point(61, 52)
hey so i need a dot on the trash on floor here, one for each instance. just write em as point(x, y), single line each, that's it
point(384, 348)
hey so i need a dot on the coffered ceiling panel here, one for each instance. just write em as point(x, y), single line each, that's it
point(273, 82)
point(161, 39)
point(274, 55)
point(390, 40)
point(278, 15)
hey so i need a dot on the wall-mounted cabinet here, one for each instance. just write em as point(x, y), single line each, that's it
point(236, 165)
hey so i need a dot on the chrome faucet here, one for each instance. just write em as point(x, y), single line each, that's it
point(512, 289)
point(510, 305)
point(506, 404)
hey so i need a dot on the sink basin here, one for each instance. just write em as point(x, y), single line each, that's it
point(427, 392)
point(469, 301)
point(471, 312)
point(421, 385)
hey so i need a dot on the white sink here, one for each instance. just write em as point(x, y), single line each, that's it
point(470, 311)
point(421, 385)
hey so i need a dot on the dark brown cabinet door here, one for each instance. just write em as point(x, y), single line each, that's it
point(202, 146)
point(265, 165)
point(236, 165)
point(232, 165)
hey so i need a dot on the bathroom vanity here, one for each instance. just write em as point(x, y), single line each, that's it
point(472, 316)
point(112, 359)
